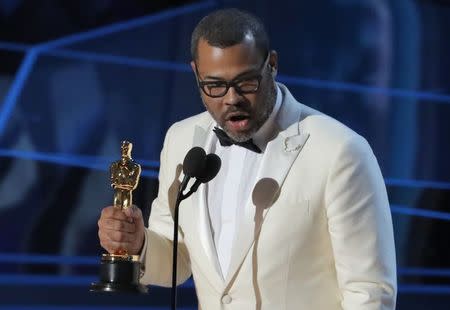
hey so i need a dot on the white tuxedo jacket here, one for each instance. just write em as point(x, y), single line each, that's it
point(317, 231)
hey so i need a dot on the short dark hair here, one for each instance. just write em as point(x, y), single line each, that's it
point(228, 27)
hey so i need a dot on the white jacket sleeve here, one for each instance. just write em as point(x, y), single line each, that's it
point(360, 226)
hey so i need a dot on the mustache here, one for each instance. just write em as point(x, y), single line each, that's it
point(236, 110)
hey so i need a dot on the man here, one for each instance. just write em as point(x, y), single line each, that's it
point(298, 216)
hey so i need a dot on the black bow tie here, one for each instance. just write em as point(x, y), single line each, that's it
point(225, 140)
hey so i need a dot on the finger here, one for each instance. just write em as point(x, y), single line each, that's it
point(107, 235)
point(105, 242)
point(134, 213)
point(118, 225)
point(111, 246)
point(128, 211)
point(112, 212)
point(119, 236)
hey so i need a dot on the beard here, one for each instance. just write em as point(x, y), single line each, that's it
point(259, 114)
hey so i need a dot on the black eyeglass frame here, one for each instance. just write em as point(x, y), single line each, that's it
point(233, 83)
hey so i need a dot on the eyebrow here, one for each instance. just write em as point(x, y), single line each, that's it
point(242, 74)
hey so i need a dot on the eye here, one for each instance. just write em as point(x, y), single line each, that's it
point(215, 86)
point(249, 85)
point(215, 89)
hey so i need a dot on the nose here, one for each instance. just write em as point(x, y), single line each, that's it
point(231, 97)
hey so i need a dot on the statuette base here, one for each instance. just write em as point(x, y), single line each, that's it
point(119, 274)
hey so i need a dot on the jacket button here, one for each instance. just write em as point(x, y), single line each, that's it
point(226, 299)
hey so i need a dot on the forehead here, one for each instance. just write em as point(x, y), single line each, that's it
point(230, 60)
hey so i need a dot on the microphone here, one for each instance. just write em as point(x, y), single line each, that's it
point(193, 165)
point(211, 169)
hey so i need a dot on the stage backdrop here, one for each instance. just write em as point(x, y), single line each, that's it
point(76, 79)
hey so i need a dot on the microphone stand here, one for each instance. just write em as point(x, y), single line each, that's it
point(212, 163)
point(180, 197)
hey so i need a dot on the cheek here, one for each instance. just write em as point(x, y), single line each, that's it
point(212, 106)
point(256, 101)
point(266, 95)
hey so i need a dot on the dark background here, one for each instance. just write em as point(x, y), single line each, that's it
point(77, 77)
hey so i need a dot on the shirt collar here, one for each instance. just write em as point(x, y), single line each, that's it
point(267, 130)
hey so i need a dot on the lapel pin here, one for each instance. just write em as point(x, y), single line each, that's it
point(295, 143)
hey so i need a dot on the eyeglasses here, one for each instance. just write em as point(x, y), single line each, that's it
point(216, 89)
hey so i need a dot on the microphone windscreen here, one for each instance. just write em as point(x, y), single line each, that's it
point(194, 162)
point(212, 167)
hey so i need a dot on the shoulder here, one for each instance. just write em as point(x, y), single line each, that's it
point(134, 165)
point(318, 125)
point(328, 129)
point(179, 139)
point(186, 127)
point(181, 135)
point(329, 139)
point(333, 145)
point(326, 134)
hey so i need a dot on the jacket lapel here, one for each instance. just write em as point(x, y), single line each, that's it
point(204, 139)
point(279, 156)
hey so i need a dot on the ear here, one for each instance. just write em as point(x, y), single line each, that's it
point(195, 71)
point(193, 67)
point(273, 62)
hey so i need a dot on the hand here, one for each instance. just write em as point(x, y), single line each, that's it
point(121, 230)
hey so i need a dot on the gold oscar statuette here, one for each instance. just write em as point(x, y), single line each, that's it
point(119, 272)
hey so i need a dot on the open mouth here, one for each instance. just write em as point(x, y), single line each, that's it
point(237, 118)
point(238, 122)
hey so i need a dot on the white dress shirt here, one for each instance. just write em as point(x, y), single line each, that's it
point(230, 190)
